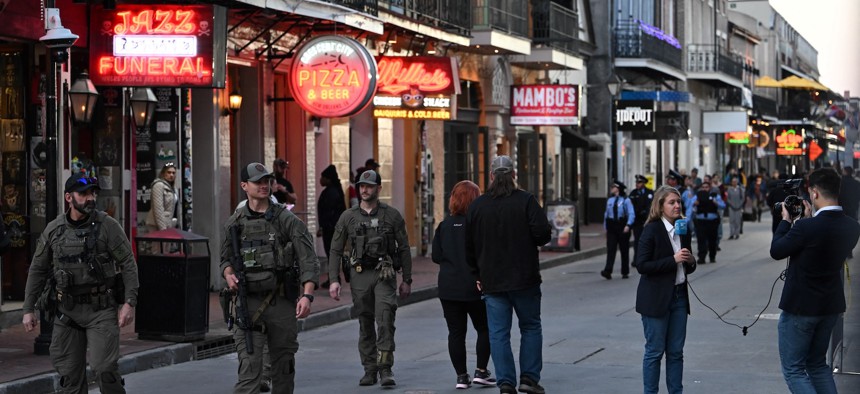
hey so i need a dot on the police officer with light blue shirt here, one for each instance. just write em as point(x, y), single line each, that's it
point(707, 205)
point(617, 221)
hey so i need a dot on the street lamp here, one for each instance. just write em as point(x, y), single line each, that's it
point(83, 96)
point(614, 86)
point(143, 104)
point(235, 101)
point(58, 40)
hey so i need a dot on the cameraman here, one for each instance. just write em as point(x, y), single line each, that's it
point(813, 296)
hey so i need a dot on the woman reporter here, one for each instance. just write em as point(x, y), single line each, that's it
point(664, 259)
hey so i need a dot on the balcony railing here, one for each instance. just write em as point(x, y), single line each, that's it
point(710, 58)
point(509, 16)
point(765, 106)
point(453, 16)
point(634, 39)
point(555, 25)
point(369, 7)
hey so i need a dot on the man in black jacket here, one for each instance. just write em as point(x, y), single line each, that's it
point(813, 296)
point(849, 193)
point(504, 229)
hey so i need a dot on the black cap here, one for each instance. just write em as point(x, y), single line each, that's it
point(80, 183)
point(253, 172)
point(371, 164)
point(641, 178)
point(369, 177)
point(676, 175)
point(620, 185)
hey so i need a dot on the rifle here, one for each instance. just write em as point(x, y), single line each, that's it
point(243, 318)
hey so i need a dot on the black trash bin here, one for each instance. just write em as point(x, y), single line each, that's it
point(173, 301)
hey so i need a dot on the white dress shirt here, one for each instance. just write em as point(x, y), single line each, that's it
point(676, 246)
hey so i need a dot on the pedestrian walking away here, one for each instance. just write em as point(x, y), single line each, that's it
point(849, 193)
point(641, 198)
point(617, 221)
point(330, 206)
point(504, 229)
point(813, 296)
point(664, 261)
point(458, 293)
point(271, 268)
point(379, 249)
point(83, 278)
point(735, 199)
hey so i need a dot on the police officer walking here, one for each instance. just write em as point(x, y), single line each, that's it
point(276, 260)
point(380, 248)
point(85, 279)
point(641, 198)
point(617, 221)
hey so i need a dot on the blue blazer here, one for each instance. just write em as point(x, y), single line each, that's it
point(656, 263)
point(817, 247)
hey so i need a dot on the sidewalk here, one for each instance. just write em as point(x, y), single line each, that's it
point(23, 372)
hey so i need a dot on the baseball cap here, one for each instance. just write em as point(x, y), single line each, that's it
point(80, 183)
point(369, 177)
point(502, 165)
point(254, 172)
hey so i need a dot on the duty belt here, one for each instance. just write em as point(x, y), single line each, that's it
point(87, 290)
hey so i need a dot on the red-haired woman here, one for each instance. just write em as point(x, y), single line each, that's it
point(457, 291)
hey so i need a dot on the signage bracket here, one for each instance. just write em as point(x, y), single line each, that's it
point(245, 19)
point(272, 43)
point(264, 31)
point(293, 49)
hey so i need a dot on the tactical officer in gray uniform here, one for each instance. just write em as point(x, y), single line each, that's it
point(278, 260)
point(84, 265)
point(380, 248)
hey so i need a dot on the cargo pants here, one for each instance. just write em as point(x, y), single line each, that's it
point(375, 303)
point(282, 338)
point(96, 330)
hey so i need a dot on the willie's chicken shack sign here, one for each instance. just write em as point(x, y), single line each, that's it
point(416, 87)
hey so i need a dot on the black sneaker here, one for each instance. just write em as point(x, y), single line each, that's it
point(369, 379)
point(386, 377)
point(507, 389)
point(529, 386)
point(463, 382)
point(606, 275)
point(484, 378)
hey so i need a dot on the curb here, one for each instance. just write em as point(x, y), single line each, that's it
point(184, 352)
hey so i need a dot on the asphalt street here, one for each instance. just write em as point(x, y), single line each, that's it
point(593, 341)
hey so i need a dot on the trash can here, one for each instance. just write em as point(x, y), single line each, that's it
point(173, 300)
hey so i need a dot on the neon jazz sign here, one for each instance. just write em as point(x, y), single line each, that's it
point(788, 143)
point(416, 87)
point(332, 76)
point(152, 45)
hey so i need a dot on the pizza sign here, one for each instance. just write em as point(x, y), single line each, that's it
point(789, 143)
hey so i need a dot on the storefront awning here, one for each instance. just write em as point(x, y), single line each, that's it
point(322, 10)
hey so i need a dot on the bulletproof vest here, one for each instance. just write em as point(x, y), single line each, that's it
point(264, 252)
point(706, 205)
point(78, 264)
point(374, 238)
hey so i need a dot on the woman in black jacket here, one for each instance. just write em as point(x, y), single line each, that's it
point(664, 260)
point(457, 291)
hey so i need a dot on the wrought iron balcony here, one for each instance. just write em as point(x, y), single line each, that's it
point(508, 16)
point(369, 7)
point(555, 26)
point(710, 58)
point(636, 39)
point(453, 16)
point(764, 106)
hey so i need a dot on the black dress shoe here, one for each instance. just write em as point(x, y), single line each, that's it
point(624, 276)
point(606, 275)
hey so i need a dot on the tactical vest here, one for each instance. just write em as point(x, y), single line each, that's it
point(79, 267)
point(373, 239)
point(265, 254)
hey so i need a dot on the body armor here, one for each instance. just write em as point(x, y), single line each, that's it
point(264, 253)
point(83, 273)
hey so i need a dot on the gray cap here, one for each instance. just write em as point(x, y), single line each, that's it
point(254, 172)
point(369, 177)
point(502, 165)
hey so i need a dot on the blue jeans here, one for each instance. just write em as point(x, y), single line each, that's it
point(666, 334)
point(803, 342)
point(500, 308)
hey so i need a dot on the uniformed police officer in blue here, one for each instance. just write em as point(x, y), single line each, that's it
point(641, 198)
point(617, 221)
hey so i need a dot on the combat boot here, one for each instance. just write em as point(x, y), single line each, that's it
point(386, 377)
point(369, 379)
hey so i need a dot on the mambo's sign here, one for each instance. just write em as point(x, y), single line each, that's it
point(417, 87)
point(545, 105)
point(155, 45)
point(332, 77)
point(635, 115)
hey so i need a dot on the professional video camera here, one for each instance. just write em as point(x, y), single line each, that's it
point(793, 202)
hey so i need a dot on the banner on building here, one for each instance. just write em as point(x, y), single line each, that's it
point(635, 115)
point(158, 45)
point(719, 122)
point(668, 125)
point(416, 87)
point(539, 105)
point(333, 76)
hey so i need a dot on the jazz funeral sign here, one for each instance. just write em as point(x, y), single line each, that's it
point(555, 105)
point(153, 45)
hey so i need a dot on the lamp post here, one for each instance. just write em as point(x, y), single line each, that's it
point(142, 103)
point(58, 40)
point(614, 87)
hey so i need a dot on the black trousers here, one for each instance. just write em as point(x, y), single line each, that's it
point(456, 313)
point(637, 232)
point(706, 233)
point(617, 239)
